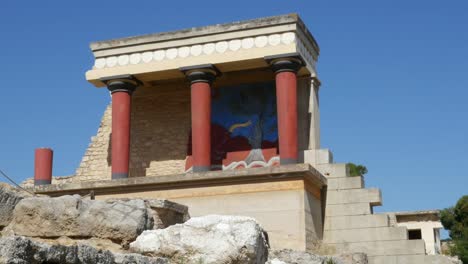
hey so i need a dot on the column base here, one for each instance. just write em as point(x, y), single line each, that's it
point(119, 175)
point(42, 182)
point(201, 168)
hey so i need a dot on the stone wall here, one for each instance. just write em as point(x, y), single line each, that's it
point(159, 135)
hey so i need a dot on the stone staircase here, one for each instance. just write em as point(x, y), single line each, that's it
point(351, 225)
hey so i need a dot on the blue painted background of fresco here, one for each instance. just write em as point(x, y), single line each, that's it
point(246, 111)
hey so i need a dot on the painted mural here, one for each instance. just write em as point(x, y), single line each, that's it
point(244, 132)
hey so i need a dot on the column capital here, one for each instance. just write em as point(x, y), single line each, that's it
point(206, 73)
point(121, 83)
point(290, 62)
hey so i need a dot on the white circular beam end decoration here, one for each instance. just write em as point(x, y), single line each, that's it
point(221, 47)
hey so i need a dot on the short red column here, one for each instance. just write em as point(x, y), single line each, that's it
point(201, 79)
point(121, 89)
point(286, 100)
point(43, 158)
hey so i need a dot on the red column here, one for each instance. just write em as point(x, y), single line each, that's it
point(43, 166)
point(121, 88)
point(120, 140)
point(201, 124)
point(286, 99)
point(201, 78)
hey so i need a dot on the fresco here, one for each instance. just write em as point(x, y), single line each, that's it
point(244, 131)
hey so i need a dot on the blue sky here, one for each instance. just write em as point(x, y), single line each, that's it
point(394, 74)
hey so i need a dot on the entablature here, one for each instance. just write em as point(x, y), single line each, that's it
point(230, 47)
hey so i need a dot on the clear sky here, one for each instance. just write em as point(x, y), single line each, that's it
point(394, 73)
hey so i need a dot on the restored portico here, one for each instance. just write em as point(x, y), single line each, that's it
point(217, 118)
point(278, 52)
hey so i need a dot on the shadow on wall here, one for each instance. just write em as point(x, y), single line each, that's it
point(160, 121)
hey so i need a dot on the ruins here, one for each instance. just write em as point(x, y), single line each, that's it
point(225, 119)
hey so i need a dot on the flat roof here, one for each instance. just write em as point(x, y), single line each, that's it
point(206, 30)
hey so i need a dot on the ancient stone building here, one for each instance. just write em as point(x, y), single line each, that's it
point(225, 119)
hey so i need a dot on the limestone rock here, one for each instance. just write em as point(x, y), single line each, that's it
point(166, 213)
point(139, 259)
point(209, 240)
point(71, 216)
point(9, 198)
point(288, 256)
point(21, 250)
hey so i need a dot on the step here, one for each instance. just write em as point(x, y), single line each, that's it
point(333, 170)
point(345, 183)
point(372, 196)
point(437, 259)
point(410, 259)
point(383, 248)
point(348, 209)
point(355, 221)
point(365, 234)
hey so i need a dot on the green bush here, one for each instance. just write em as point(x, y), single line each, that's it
point(356, 170)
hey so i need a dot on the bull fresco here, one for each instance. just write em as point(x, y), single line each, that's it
point(244, 130)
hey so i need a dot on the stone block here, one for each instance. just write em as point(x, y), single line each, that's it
point(372, 196)
point(346, 183)
point(356, 221)
point(384, 248)
point(317, 156)
point(365, 234)
point(348, 209)
point(333, 170)
point(440, 259)
point(402, 259)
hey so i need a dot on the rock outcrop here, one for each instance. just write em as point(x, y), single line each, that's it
point(166, 213)
point(288, 256)
point(71, 216)
point(22, 250)
point(9, 198)
point(73, 230)
point(210, 239)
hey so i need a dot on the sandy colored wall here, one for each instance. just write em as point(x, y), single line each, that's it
point(159, 134)
point(288, 212)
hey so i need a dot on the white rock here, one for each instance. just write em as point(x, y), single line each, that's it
point(208, 239)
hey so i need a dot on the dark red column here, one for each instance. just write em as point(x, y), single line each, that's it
point(43, 166)
point(286, 100)
point(200, 85)
point(121, 89)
